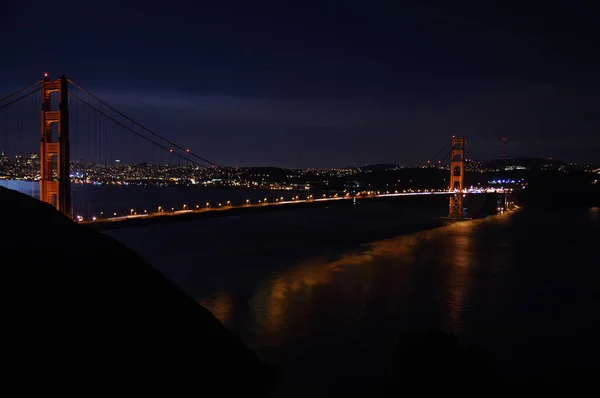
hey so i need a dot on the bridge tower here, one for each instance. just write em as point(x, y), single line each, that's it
point(55, 182)
point(457, 171)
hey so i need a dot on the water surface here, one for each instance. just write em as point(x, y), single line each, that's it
point(327, 311)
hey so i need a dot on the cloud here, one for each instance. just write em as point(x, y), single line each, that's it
point(317, 113)
point(535, 118)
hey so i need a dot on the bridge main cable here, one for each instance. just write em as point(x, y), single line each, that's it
point(143, 127)
point(130, 129)
point(20, 91)
point(20, 98)
point(439, 153)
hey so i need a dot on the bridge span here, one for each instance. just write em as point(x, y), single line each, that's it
point(75, 110)
point(135, 218)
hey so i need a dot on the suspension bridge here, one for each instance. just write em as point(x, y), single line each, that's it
point(53, 119)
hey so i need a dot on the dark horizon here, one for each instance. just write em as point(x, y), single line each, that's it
point(327, 85)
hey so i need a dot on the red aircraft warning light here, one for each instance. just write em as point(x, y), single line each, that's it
point(187, 150)
point(170, 150)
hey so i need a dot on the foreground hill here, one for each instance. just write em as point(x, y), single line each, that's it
point(81, 313)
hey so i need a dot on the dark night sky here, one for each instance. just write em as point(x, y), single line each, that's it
point(324, 83)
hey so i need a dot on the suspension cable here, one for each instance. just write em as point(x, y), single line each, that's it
point(131, 130)
point(20, 91)
point(445, 157)
point(143, 127)
point(20, 98)
point(439, 153)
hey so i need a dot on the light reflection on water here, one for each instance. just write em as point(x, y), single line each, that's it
point(323, 320)
point(458, 281)
point(221, 305)
point(285, 296)
point(594, 213)
point(375, 292)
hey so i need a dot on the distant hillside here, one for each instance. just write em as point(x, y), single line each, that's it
point(270, 171)
point(379, 167)
point(528, 162)
point(81, 313)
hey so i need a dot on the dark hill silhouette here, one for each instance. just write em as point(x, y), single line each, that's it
point(273, 172)
point(379, 167)
point(82, 314)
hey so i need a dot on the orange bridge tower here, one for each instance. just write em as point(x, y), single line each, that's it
point(457, 171)
point(55, 182)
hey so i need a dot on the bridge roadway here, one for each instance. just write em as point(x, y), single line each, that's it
point(132, 218)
